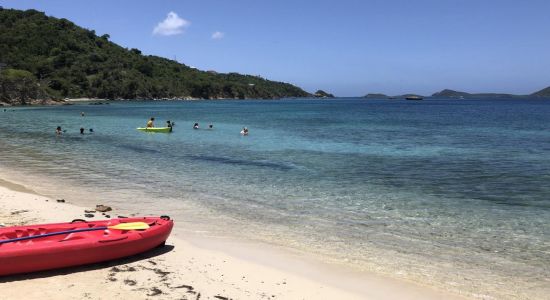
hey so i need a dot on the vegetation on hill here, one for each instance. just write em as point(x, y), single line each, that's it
point(50, 57)
point(383, 96)
point(542, 93)
point(455, 94)
point(20, 87)
point(322, 94)
point(375, 96)
point(446, 93)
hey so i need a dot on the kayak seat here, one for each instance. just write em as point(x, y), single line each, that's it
point(76, 236)
point(113, 239)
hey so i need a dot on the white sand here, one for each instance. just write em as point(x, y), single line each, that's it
point(188, 268)
point(84, 99)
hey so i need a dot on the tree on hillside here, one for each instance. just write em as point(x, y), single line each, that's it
point(70, 61)
point(20, 85)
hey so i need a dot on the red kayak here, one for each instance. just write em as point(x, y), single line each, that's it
point(32, 248)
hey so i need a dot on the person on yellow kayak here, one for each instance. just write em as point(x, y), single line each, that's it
point(150, 123)
point(169, 125)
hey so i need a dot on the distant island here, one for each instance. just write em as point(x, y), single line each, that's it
point(322, 94)
point(452, 94)
point(383, 96)
point(544, 93)
point(44, 59)
point(456, 94)
point(376, 96)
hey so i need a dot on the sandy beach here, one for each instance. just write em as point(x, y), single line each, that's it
point(283, 157)
point(187, 268)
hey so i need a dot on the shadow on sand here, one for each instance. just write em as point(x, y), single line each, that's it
point(102, 265)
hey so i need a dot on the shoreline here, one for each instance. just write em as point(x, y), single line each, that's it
point(77, 101)
point(211, 267)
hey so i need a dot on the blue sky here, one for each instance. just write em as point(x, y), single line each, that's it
point(345, 47)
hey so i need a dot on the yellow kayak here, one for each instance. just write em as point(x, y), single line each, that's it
point(155, 129)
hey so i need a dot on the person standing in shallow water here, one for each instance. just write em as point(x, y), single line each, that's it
point(169, 125)
point(150, 123)
point(58, 130)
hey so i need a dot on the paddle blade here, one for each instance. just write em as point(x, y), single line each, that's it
point(130, 226)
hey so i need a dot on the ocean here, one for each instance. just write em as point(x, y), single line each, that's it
point(449, 193)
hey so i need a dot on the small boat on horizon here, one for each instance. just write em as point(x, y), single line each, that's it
point(414, 97)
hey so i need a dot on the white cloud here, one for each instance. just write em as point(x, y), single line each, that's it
point(218, 35)
point(172, 25)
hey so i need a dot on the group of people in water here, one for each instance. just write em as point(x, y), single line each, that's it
point(59, 131)
point(196, 126)
point(150, 124)
point(169, 124)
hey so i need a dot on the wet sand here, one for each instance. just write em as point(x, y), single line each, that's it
point(188, 267)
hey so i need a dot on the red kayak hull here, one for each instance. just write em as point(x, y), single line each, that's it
point(75, 249)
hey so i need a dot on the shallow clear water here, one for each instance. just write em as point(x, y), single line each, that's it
point(453, 193)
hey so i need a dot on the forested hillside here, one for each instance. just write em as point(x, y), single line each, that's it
point(544, 93)
point(45, 57)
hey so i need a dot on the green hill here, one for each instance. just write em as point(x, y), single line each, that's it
point(455, 94)
point(375, 96)
point(59, 59)
point(544, 93)
point(322, 94)
point(446, 93)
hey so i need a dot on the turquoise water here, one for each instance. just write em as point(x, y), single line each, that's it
point(445, 192)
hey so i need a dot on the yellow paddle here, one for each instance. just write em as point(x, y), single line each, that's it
point(121, 226)
point(130, 226)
